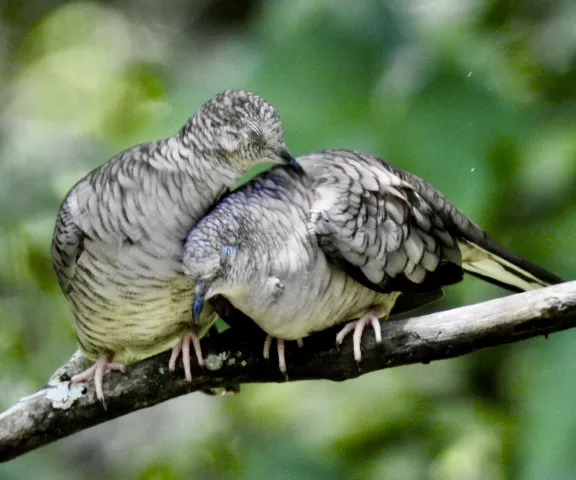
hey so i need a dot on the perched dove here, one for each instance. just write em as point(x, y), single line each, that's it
point(299, 253)
point(117, 244)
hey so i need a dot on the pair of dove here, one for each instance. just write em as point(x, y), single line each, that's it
point(139, 247)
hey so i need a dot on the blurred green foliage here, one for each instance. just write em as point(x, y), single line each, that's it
point(476, 96)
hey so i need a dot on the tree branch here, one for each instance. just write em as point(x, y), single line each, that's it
point(58, 409)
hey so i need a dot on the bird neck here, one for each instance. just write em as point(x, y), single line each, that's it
point(204, 175)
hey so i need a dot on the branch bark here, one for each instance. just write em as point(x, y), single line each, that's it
point(59, 409)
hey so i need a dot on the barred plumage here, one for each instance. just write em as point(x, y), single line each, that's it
point(117, 244)
point(299, 254)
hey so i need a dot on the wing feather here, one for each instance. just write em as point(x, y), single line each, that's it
point(376, 226)
point(392, 231)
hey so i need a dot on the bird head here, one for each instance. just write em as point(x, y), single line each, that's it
point(241, 129)
point(207, 262)
point(203, 266)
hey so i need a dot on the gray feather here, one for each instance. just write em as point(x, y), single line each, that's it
point(373, 232)
point(117, 243)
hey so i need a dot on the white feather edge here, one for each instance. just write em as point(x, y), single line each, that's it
point(479, 261)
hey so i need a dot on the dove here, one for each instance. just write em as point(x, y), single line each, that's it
point(119, 234)
point(339, 244)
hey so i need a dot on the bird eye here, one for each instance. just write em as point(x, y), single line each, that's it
point(254, 132)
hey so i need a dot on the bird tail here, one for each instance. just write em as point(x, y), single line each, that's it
point(493, 263)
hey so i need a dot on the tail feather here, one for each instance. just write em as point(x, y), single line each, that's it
point(492, 262)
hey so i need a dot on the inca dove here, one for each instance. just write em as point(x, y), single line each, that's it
point(117, 244)
point(300, 253)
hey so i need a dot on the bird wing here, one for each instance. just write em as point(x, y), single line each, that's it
point(67, 242)
point(482, 256)
point(97, 208)
point(392, 231)
point(377, 227)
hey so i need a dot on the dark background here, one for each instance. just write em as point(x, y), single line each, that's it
point(476, 96)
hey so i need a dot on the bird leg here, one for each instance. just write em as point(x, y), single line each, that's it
point(96, 371)
point(183, 346)
point(281, 355)
point(267, 344)
point(280, 350)
point(358, 326)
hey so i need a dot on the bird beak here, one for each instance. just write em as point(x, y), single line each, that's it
point(198, 304)
point(287, 158)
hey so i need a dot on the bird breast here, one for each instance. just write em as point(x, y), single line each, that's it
point(313, 297)
point(134, 305)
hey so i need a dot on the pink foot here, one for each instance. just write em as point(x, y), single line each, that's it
point(280, 350)
point(188, 337)
point(96, 371)
point(358, 327)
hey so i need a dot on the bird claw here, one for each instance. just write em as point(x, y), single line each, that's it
point(97, 371)
point(183, 346)
point(280, 350)
point(267, 343)
point(358, 327)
